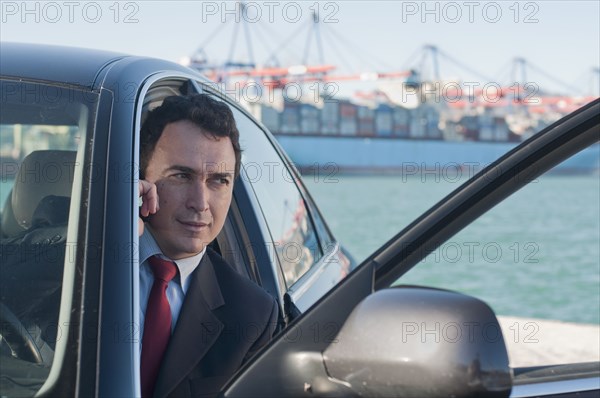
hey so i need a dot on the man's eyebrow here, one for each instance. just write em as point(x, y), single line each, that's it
point(184, 169)
point(221, 175)
point(189, 170)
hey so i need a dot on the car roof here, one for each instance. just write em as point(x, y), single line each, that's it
point(69, 65)
point(75, 66)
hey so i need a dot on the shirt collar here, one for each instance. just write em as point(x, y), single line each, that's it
point(149, 248)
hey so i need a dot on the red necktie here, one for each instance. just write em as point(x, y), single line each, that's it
point(157, 324)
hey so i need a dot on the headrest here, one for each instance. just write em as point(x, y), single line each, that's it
point(42, 173)
point(9, 226)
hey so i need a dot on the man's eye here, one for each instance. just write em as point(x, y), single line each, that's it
point(221, 181)
point(182, 176)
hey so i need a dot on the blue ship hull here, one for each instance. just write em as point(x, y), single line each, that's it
point(386, 156)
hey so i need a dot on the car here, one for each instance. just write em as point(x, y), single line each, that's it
point(69, 274)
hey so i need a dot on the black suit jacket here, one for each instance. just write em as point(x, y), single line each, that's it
point(224, 320)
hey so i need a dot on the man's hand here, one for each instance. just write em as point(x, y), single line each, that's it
point(149, 206)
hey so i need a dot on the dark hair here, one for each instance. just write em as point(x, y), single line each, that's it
point(211, 115)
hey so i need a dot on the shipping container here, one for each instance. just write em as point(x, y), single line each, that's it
point(486, 133)
point(330, 117)
point(502, 131)
point(486, 127)
point(366, 128)
point(417, 127)
point(310, 126)
point(290, 118)
point(434, 132)
point(383, 121)
point(347, 110)
point(469, 127)
point(452, 131)
point(366, 121)
point(309, 119)
point(348, 126)
point(401, 130)
point(365, 113)
point(330, 110)
point(401, 116)
point(420, 122)
point(268, 116)
point(330, 127)
point(432, 122)
point(309, 110)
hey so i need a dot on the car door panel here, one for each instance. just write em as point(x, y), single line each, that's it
point(303, 359)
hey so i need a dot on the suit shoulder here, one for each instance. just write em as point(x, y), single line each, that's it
point(234, 284)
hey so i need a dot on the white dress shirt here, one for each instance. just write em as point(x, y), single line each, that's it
point(177, 287)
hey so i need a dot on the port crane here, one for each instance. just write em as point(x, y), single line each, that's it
point(421, 70)
point(272, 74)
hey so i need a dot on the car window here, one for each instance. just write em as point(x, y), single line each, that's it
point(535, 259)
point(43, 129)
point(294, 242)
point(379, 204)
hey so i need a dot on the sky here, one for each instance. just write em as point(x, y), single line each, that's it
point(477, 41)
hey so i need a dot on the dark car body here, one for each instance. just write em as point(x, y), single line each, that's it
point(274, 235)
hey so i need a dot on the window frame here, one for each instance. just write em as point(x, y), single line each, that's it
point(76, 344)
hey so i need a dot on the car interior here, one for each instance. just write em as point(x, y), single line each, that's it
point(36, 190)
point(34, 246)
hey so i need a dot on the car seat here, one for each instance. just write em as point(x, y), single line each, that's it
point(9, 227)
point(33, 248)
point(41, 174)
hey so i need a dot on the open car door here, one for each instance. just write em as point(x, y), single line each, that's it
point(359, 339)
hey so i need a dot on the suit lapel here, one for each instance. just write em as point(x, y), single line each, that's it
point(196, 331)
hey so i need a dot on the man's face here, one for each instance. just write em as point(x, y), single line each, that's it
point(193, 173)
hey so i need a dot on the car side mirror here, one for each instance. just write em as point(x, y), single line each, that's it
point(412, 341)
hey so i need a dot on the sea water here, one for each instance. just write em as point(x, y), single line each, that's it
point(535, 255)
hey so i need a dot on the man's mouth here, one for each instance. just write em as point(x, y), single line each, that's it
point(194, 225)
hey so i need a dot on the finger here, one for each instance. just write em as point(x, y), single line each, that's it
point(149, 197)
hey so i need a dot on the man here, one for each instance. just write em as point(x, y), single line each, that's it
point(190, 157)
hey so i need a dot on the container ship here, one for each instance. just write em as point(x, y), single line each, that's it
point(383, 138)
point(413, 121)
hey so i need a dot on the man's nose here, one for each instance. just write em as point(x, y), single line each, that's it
point(198, 197)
